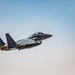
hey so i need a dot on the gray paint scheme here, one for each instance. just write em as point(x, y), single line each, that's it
point(32, 41)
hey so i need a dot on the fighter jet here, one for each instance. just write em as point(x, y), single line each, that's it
point(32, 41)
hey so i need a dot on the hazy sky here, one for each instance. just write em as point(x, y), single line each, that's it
point(56, 56)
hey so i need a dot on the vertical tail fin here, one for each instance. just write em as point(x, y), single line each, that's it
point(11, 43)
point(1, 42)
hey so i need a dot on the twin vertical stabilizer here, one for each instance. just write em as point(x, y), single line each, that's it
point(11, 43)
point(1, 42)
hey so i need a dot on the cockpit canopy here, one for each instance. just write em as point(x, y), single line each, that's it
point(38, 33)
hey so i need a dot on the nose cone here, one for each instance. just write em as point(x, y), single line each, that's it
point(48, 36)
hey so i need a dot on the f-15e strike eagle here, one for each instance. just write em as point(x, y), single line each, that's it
point(32, 41)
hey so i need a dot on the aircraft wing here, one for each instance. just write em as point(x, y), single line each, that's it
point(25, 42)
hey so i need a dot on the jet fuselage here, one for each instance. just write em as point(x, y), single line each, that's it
point(33, 41)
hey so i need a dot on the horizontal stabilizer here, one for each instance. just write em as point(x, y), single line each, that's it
point(11, 43)
point(1, 42)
